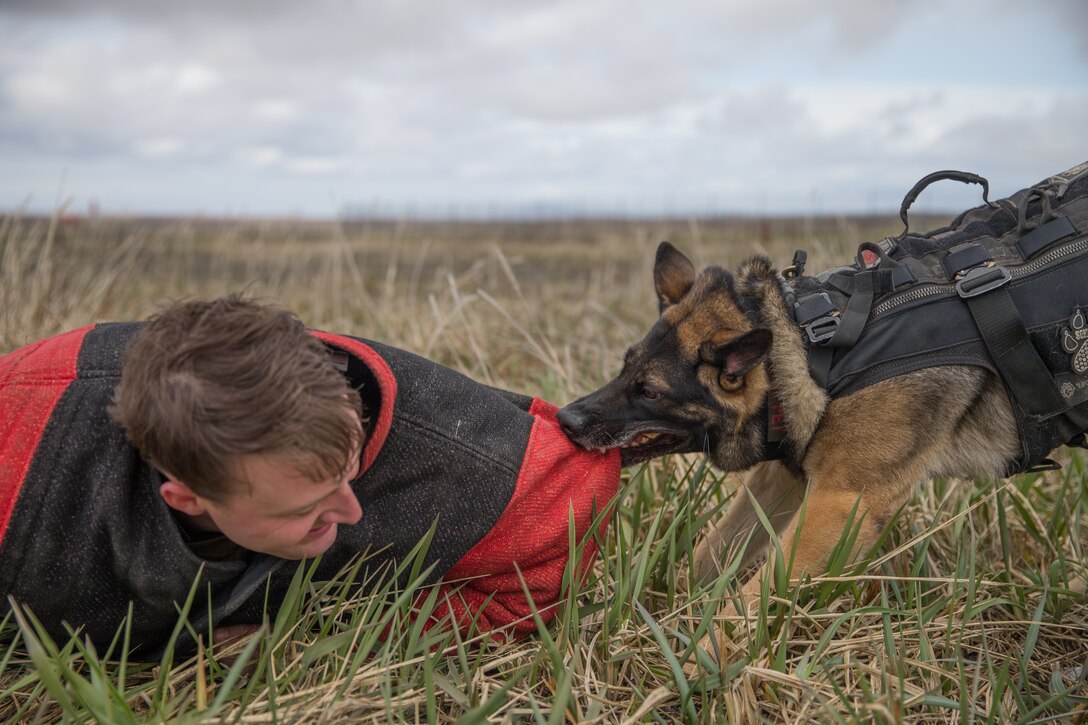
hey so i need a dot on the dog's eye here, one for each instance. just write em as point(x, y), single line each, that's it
point(650, 394)
point(730, 382)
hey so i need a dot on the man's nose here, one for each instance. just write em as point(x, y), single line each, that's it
point(348, 509)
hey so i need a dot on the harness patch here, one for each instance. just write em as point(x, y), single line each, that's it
point(1075, 342)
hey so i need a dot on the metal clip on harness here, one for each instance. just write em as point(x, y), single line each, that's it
point(980, 280)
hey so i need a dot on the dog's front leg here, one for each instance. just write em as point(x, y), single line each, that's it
point(813, 530)
point(844, 495)
point(864, 457)
point(777, 491)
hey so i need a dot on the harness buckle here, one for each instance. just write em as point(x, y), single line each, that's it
point(980, 280)
point(823, 329)
point(817, 316)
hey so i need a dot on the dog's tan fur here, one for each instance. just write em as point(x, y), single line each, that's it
point(701, 377)
point(866, 450)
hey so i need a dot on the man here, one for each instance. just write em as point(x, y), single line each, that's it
point(222, 439)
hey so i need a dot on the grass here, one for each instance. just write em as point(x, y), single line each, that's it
point(971, 610)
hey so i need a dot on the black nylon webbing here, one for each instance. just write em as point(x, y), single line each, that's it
point(857, 310)
point(1009, 345)
point(1043, 236)
point(819, 364)
point(852, 322)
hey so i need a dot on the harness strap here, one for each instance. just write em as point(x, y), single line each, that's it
point(819, 364)
point(857, 310)
point(1008, 342)
point(850, 325)
point(888, 279)
point(965, 256)
point(1044, 235)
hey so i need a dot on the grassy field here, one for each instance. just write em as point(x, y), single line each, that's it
point(972, 609)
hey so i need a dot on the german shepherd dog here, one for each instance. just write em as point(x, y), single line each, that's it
point(699, 381)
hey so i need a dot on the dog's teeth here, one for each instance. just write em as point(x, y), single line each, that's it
point(602, 450)
point(641, 438)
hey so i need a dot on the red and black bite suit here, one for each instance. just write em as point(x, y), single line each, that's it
point(83, 529)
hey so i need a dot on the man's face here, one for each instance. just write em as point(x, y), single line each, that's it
point(284, 513)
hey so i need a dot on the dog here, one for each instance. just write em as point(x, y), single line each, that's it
point(701, 380)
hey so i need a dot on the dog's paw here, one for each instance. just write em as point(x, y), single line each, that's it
point(751, 593)
point(713, 646)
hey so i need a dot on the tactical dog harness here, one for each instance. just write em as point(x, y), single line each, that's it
point(1003, 287)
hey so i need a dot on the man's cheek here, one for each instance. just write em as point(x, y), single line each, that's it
point(278, 526)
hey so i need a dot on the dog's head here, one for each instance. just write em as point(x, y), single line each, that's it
point(696, 382)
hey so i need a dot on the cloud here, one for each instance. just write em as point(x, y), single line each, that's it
point(195, 78)
point(712, 104)
point(156, 148)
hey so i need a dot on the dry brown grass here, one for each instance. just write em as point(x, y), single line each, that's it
point(979, 616)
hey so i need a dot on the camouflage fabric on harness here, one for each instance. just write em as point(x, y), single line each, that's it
point(1004, 287)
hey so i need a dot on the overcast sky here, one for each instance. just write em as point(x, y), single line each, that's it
point(289, 108)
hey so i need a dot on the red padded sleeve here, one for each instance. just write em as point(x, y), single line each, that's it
point(556, 477)
point(32, 379)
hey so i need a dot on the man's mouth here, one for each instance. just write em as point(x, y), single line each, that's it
point(318, 532)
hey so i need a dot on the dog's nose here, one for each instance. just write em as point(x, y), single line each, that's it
point(571, 421)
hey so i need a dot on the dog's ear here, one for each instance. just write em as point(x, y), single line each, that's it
point(740, 354)
point(674, 275)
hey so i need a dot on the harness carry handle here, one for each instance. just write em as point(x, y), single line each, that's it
point(965, 177)
point(1045, 213)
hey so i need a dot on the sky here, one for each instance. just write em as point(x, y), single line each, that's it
point(473, 108)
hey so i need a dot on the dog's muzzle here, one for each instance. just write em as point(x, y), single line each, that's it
point(573, 422)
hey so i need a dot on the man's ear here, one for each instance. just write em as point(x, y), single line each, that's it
point(739, 355)
point(182, 498)
point(674, 275)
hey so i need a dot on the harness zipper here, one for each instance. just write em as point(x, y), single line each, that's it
point(913, 295)
point(1079, 245)
point(933, 289)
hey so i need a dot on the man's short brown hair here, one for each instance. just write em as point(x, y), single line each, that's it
point(205, 382)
